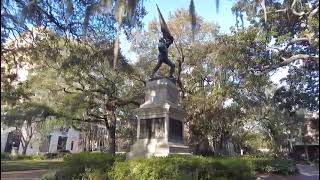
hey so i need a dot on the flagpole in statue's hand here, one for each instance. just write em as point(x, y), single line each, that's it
point(164, 29)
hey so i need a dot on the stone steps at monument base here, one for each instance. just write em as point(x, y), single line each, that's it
point(179, 150)
point(156, 147)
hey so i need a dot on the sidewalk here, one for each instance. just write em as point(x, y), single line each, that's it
point(307, 170)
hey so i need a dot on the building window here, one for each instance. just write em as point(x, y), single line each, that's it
point(71, 146)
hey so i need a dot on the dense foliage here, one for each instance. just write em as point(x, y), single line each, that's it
point(77, 166)
point(106, 166)
point(180, 167)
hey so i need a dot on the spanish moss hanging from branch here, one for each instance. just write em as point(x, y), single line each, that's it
point(192, 13)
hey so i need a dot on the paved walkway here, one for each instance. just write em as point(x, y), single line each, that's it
point(306, 172)
point(23, 175)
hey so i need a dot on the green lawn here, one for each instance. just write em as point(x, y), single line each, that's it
point(21, 165)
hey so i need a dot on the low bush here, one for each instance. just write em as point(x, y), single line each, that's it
point(5, 156)
point(58, 155)
point(8, 156)
point(274, 166)
point(32, 157)
point(95, 166)
point(50, 175)
point(182, 167)
point(81, 165)
point(51, 155)
point(94, 174)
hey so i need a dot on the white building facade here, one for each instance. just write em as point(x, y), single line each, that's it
point(62, 139)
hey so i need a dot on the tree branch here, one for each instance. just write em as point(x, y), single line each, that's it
point(313, 12)
point(293, 58)
point(95, 116)
point(287, 61)
point(119, 102)
point(89, 120)
point(296, 40)
point(294, 10)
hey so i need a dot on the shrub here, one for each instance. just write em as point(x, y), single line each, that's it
point(8, 156)
point(60, 154)
point(50, 175)
point(94, 166)
point(238, 168)
point(5, 156)
point(51, 155)
point(275, 166)
point(32, 157)
point(182, 167)
point(93, 174)
point(83, 164)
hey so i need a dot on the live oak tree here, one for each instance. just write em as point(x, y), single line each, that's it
point(24, 102)
point(97, 25)
point(93, 91)
point(290, 31)
point(29, 116)
point(94, 20)
point(97, 22)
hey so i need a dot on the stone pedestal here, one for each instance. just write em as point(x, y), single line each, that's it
point(160, 122)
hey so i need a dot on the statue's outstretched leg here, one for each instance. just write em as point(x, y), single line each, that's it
point(155, 69)
point(172, 67)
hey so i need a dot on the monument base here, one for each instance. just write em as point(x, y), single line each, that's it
point(160, 122)
point(155, 147)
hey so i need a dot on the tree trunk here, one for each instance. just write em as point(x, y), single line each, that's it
point(307, 153)
point(87, 141)
point(24, 150)
point(111, 130)
point(25, 147)
point(25, 143)
point(112, 139)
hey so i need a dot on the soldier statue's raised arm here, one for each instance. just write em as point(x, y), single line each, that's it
point(163, 46)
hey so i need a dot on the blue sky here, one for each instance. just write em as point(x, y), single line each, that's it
point(204, 8)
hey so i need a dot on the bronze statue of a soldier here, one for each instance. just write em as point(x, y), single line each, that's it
point(163, 46)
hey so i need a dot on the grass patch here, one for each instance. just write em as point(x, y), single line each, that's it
point(22, 165)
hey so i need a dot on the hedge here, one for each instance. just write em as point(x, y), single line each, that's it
point(79, 165)
point(8, 156)
point(96, 166)
point(274, 166)
point(182, 167)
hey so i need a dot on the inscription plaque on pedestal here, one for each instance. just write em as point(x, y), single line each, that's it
point(175, 130)
point(151, 128)
point(158, 128)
